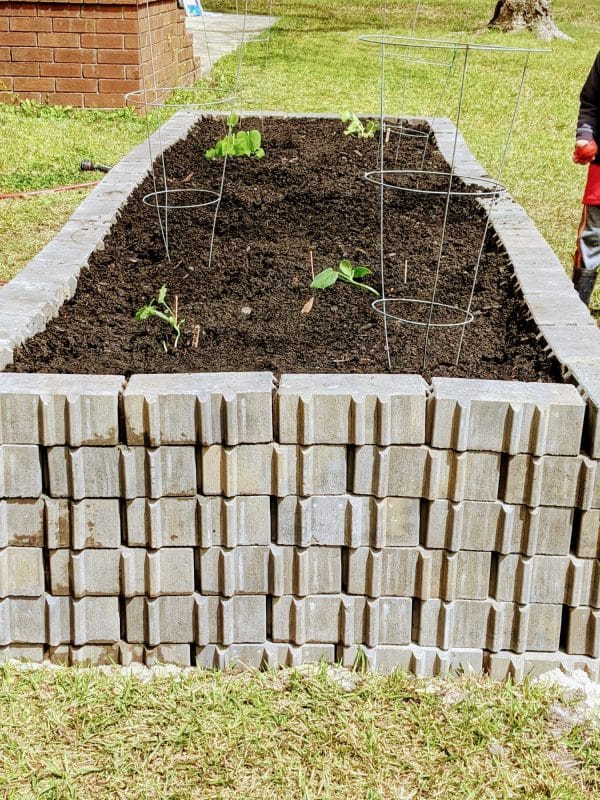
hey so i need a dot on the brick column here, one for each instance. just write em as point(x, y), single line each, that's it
point(90, 54)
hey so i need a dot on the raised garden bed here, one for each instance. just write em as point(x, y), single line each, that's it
point(431, 523)
point(308, 194)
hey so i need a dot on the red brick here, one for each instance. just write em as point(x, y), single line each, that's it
point(106, 12)
point(58, 10)
point(33, 84)
point(133, 73)
point(4, 53)
point(58, 39)
point(73, 25)
point(131, 42)
point(30, 24)
point(75, 55)
point(116, 87)
point(76, 85)
point(6, 95)
point(32, 54)
point(74, 99)
point(3, 24)
point(104, 101)
point(112, 41)
point(116, 26)
point(27, 39)
point(22, 10)
point(60, 70)
point(118, 57)
point(116, 71)
point(29, 69)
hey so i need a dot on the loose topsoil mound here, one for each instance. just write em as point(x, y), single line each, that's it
point(307, 194)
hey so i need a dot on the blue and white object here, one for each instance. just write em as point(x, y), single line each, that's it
point(193, 8)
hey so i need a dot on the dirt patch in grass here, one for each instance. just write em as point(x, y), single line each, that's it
point(307, 194)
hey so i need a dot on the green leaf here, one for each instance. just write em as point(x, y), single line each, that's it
point(260, 153)
point(255, 139)
point(346, 269)
point(325, 279)
point(143, 313)
point(210, 154)
point(162, 293)
point(360, 272)
point(232, 120)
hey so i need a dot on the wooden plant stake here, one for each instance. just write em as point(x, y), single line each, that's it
point(196, 339)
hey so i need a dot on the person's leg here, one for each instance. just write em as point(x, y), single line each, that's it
point(587, 255)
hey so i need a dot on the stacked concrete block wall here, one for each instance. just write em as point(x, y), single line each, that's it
point(84, 53)
point(209, 519)
point(212, 519)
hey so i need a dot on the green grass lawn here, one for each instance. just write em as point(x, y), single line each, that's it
point(80, 734)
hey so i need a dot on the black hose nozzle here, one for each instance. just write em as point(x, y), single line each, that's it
point(89, 166)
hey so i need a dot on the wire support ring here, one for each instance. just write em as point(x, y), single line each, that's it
point(380, 306)
point(153, 199)
point(161, 95)
point(481, 187)
point(392, 40)
point(407, 131)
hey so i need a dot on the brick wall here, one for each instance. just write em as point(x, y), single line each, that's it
point(89, 54)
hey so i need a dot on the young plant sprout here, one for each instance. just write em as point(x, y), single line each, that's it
point(167, 315)
point(345, 271)
point(242, 143)
point(356, 127)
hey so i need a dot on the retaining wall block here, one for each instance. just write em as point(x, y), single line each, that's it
point(547, 579)
point(95, 621)
point(268, 654)
point(345, 520)
point(564, 342)
point(586, 372)
point(81, 524)
point(423, 662)
point(343, 619)
point(272, 469)
point(57, 522)
point(35, 620)
point(51, 410)
point(166, 571)
point(21, 572)
point(22, 523)
point(30, 653)
point(399, 471)
point(501, 666)
point(20, 471)
point(351, 409)
point(588, 539)
point(487, 624)
point(505, 416)
point(121, 472)
point(206, 408)
point(583, 632)
point(270, 570)
point(566, 481)
point(417, 572)
point(203, 521)
point(194, 618)
point(498, 527)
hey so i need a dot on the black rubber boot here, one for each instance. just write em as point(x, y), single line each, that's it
point(584, 281)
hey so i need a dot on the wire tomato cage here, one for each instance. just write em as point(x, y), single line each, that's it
point(458, 181)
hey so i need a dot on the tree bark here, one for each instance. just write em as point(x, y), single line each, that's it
point(533, 15)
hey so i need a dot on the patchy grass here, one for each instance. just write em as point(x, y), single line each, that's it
point(297, 735)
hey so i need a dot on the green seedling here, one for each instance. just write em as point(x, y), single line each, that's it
point(356, 127)
point(168, 315)
point(242, 143)
point(345, 271)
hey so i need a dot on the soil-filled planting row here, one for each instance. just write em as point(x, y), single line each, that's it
point(308, 195)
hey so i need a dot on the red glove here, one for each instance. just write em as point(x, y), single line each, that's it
point(585, 152)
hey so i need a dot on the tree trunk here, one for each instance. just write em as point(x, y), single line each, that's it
point(533, 15)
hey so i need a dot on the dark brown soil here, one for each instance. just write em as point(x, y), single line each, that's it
point(308, 194)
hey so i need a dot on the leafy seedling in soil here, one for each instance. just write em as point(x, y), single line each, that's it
point(345, 271)
point(356, 127)
point(242, 143)
point(167, 315)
